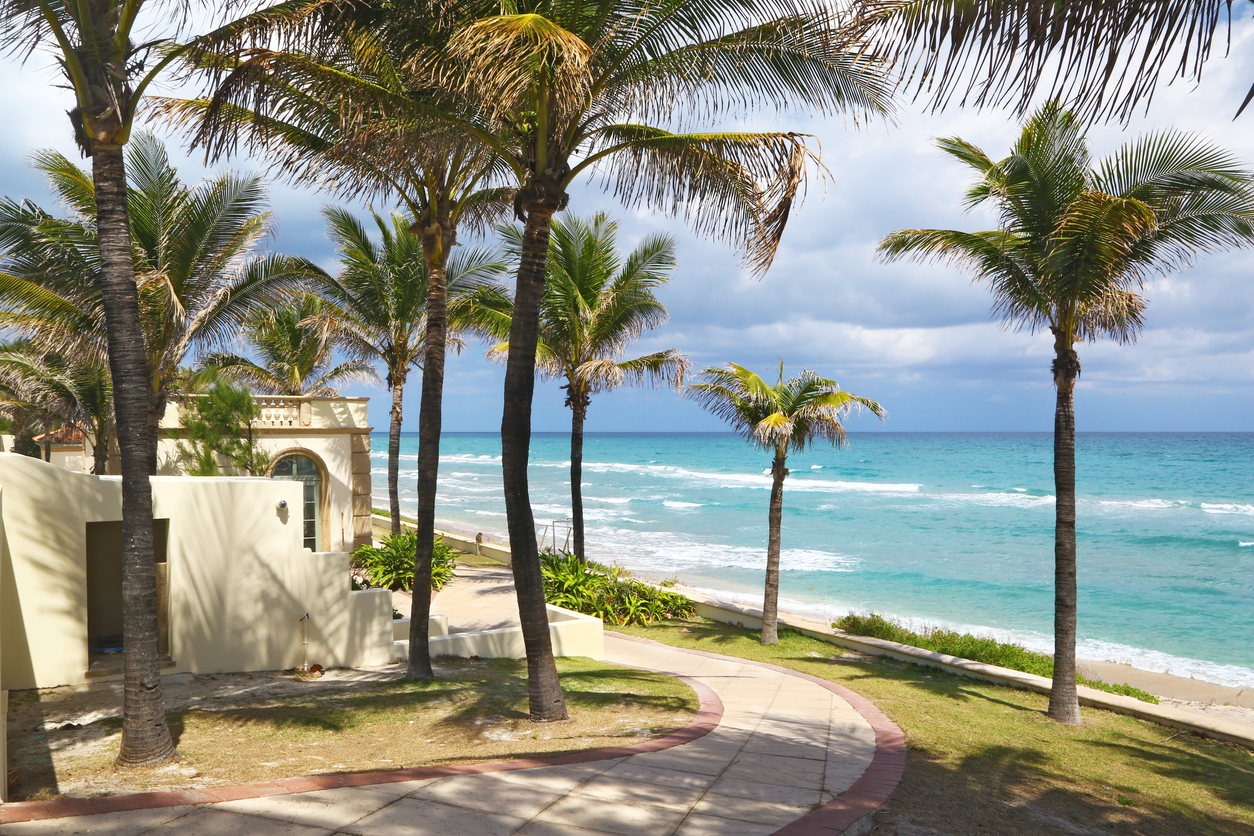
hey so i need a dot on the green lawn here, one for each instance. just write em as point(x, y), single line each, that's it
point(985, 759)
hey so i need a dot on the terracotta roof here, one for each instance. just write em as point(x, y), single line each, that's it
point(65, 435)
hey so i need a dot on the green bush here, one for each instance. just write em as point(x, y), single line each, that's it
point(975, 648)
point(391, 565)
point(608, 593)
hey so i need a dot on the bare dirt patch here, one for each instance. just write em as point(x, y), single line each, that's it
point(246, 728)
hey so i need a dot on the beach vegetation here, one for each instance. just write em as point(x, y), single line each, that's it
point(595, 305)
point(216, 432)
point(563, 92)
point(1075, 244)
point(390, 565)
point(986, 758)
point(976, 648)
point(786, 417)
point(294, 353)
point(609, 593)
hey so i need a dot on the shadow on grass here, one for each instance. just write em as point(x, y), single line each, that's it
point(1008, 790)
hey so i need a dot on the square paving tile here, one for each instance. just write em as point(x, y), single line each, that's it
point(487, 794)
point(617, 790)
point(208, 820)
point(333, 809)
point(414, 817)
point(696, 825)
point(803, 796)
point(633, 819)
point(125, 823)
point(557, 778)
point(638, 770)
point(745, 809)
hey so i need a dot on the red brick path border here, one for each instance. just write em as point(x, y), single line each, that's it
point(833, 818)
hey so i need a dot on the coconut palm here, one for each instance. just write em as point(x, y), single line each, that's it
point(568, 89)
point(376, 305)
point(1075, 245)
point(595, 305)
point(108, 74)
point(196, 252)
point(294, 351)
point(791, 415)
point(337, 108)
point(73, 391)
point(1104, 57)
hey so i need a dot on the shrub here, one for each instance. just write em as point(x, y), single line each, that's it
point(976, 648)
point(391, 565)
point(610, 594)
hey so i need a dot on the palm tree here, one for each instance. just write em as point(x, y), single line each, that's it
point(294, 352)
point(338, 108)
point(595, 305)
point(1104, 57)
point(1075, 245)
point(72, 390)
point(197, 259)
point(790, 415)
point(376, 305)
point(108, 75)
point(566, 89)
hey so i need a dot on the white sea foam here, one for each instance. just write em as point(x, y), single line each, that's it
point(1243, 544)
point(671, 503)
point(747, 480)
point(1228, 508)
point(816, 467)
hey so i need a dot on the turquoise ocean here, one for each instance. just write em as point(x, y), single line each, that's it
point(947, 529)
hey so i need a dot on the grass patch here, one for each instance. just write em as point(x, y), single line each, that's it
point(476, 710)
point(976, 648)
point(985, 759)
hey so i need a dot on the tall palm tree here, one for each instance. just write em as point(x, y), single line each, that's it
point(1074, 247)
point(73, 390)
point(337, 107)
point(108, 74)
point(567, 89)
point(1104, 57)
point(295, 353)
point(595, 305)
point(197, 259)
point(376, 305)
point(790, 415)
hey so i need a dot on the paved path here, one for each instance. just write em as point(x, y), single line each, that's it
point(783, 753)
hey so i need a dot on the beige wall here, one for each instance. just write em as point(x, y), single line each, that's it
point(239, 580)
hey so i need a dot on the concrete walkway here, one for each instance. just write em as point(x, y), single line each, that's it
point(784, 753)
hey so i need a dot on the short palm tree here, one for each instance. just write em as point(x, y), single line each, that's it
point(73, 391)
point(567, 89)
point(1075, 244)
point(376, 306)
point(294, 351)
point(791, 415)
point(595, 305)
point(197, 257)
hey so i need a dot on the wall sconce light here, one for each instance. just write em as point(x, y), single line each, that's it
point(281, 504)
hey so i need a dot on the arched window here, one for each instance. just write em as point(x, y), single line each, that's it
point(303, 469)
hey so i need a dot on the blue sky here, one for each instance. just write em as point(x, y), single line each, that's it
point(917, 338)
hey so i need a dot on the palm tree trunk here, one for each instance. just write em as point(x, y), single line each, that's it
point(146, 739)
point(546, 700)
point(394, 452)
point(156, 411)
point(100, 455)
point(430, 414)
point(576, 478)
point(770, 598)
point(1064, 705)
